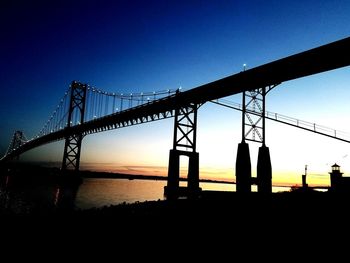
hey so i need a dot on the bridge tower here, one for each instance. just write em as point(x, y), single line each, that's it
point(184, 144)
point(17, 140)
point(253, 129)
point(243, 165)
point(72, 147)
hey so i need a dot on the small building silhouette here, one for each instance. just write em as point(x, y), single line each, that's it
point(304, 184)
point(339, 184)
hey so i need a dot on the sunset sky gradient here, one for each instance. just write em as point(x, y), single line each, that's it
point(139, 46)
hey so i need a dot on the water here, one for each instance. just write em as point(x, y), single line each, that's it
point(104, 192)
point(25, 197)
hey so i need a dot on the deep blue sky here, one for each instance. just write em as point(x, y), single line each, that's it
point(132, 46)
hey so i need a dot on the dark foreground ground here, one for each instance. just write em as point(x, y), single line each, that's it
point(215, 227)
point(227, 222)
point(233, 207)
point(218, 211)
point(226, 206)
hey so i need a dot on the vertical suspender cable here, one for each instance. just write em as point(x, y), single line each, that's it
point(87, 105)
point(107, 104)
point(99, 104)
point(113, 109)
point(65, 111)
point(93, 104)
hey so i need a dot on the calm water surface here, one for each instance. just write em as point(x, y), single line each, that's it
point(93, 192)
point(101, 192)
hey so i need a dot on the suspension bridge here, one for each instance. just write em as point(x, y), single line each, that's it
point(85, 110)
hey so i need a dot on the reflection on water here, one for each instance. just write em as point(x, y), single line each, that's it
point(25, 196)
point(4, 193)
point(22, 193)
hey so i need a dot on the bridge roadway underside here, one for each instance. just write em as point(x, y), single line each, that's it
point(328, 57)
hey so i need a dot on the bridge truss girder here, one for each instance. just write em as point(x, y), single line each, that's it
point(128, 121)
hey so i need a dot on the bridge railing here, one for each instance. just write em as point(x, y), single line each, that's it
point(309, 126)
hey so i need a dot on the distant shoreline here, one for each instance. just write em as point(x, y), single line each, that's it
point(36, 167)
point(111, 175)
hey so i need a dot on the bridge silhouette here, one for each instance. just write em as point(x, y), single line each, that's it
point(85, 110)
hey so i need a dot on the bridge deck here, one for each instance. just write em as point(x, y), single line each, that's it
point(328, 57)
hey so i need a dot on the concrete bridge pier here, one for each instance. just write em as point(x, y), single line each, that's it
point(193, 174)
point(173, 189)
point(243, 169)
point(264, 171)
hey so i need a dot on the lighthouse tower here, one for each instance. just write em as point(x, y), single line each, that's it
point(336, 177)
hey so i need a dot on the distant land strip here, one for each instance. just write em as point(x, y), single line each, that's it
point(92, 174)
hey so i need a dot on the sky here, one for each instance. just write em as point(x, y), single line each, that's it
point(139, 46)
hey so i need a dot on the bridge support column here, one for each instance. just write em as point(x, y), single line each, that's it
point(193, 172)
point(243, 169)
point(172, 187)
point(184, 144)
point(264, 171)
point(72, 147)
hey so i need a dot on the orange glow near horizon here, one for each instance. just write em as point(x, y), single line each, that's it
point(278, 178)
